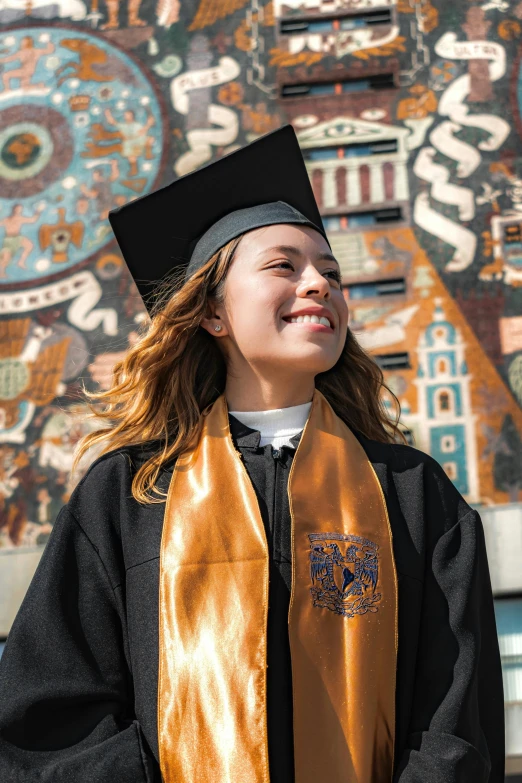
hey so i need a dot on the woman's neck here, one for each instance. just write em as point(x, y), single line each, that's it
point(258, 394)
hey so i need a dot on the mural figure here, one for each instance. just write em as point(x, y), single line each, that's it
point(100, 191)
point(13, 241)
point(113, 8)
point(92, 63)
point(135, 140)
point(16, 477)
point(60, 235)
point(28, 56)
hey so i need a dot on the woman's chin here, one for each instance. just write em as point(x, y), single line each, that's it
point(311, 359)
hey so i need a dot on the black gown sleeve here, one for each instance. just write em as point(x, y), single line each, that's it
point(457, 726)
point(66, 701)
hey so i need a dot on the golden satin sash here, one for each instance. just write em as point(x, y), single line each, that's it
point(214, 602)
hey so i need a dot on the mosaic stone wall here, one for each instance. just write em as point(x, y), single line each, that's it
point(408, 114)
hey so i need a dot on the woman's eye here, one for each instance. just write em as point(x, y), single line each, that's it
point(335, 275)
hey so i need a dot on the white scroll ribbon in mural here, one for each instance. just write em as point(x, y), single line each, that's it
point(392, 331)
point(441, 189)
point(462, 239)
point(442, 227)
point(16, 10)
point(82, 288)
point(452, 103)
point(201, 140)
point(468, 158)
point(419, 127)
point(444, 140)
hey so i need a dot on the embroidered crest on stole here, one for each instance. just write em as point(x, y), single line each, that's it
point(344, 570)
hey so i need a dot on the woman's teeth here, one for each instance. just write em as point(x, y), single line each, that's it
point(312, 319)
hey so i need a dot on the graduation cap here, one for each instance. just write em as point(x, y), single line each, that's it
point(183, 224)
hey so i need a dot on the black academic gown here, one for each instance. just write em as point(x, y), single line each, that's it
point(79, 674)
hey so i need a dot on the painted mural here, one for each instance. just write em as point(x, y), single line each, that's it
point(409, 117)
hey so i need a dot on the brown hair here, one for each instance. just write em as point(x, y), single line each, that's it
point(175, 370)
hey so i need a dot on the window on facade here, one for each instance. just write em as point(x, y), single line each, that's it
point(444, 401)
point(410, 438)
point(508, 615)
point(442, 366)
point(355, 150)
point(447, 444)
point(379, 288)
point(450, 469)
point(334, 24)
point(393, 361)
point(377, 81)
point(351, 220)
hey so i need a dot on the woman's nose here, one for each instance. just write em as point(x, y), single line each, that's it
point(313, 282)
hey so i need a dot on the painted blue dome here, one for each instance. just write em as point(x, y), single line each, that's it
point(438, 324)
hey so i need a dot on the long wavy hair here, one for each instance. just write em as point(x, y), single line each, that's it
point(175, 370)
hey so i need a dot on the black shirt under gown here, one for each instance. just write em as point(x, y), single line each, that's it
point(268, 469)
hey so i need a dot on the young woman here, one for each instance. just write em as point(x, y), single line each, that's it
point(255, 582)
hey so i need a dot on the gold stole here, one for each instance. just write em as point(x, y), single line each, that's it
point(214, 603)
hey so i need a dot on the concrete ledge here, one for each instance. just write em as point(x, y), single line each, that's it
point(514, 767)
point(503, 534)
point(17, 567)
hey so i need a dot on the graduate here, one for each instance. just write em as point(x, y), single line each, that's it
point(254, 582)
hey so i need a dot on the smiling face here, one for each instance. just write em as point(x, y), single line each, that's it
point(283, 310)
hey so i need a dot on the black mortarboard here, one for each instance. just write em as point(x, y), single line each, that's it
point(186, 222)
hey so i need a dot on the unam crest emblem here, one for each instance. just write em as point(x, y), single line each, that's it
point(344, 571)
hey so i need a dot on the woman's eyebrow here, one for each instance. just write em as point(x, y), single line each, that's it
point(327, 257)
point(282, 249)
point(297, 252)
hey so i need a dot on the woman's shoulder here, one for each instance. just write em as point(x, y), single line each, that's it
point(110, 469)
point(399, 456)
point(102, 503)
point(417, 480)
point(116, 467)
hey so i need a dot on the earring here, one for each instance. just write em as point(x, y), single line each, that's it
point(218, 328)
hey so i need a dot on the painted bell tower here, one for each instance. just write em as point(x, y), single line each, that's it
point(444, 422)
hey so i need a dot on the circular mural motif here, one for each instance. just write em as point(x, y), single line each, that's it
point(80, 134)
point(34, 152)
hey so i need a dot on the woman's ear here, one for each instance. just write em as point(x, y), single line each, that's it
point(213, 323)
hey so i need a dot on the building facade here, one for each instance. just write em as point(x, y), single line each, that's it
point(408, 114)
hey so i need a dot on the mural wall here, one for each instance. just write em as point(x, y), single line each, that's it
point(408, 114)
